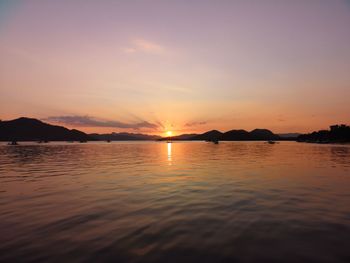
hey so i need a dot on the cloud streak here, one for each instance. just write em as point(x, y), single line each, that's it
point(142, 45)
point(195, 123)
point(87, 121)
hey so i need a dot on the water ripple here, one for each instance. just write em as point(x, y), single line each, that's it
point(191, 202)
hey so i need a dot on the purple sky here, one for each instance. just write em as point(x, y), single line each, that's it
point(186, 66)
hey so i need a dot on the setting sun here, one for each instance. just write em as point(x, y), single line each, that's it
point(175, 127)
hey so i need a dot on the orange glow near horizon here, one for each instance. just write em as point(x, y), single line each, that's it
point(103, 70)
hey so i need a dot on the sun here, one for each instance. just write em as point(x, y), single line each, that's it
point(169, 133)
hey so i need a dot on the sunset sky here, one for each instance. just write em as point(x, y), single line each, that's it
point(186, 66)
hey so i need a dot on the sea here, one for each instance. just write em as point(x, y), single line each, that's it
point(174, 202)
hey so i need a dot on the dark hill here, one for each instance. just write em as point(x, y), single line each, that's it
point(337, 133)
point(289, 135)
point(263, 134)
point(182, 137)
point(123, 136)
point(27, 129)
point(210, 135)
point(236, 135)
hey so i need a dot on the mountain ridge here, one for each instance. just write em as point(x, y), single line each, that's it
point(339, 133)
point(30, 129)
point(124, 136)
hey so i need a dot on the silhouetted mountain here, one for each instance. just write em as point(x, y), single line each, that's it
point(27, 129)
point(123, 136)
point(263, 134)
point(237, 135)
point(182, 137)
point(185, 136)
point(337, 133)
point(288, 135)
point(210, 135)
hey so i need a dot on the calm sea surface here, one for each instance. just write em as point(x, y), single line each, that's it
point(179, 202)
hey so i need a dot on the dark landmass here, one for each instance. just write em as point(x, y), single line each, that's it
point(182, 137)
point(289, 135)
point(233, 135)
point(238, 135)
point(27, 129)
point(336, 134)
point(210, 135)
point(124, 136)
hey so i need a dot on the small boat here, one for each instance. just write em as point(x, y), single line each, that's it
point(271, 142)
point(215, 141)
point(108, 141)
point(12, 143)
point(83, 141)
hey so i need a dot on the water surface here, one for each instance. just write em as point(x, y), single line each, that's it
point(179, 202)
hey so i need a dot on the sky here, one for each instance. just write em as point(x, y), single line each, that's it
point(188, 66)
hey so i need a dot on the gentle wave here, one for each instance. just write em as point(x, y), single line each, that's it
point(183, 202)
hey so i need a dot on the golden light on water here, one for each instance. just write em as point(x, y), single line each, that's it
point(169, 152)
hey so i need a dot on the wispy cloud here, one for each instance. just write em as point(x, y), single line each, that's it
point(142, 45)
point(195, 123)
point(87, 121)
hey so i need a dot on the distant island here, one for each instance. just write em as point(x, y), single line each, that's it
point(29, 129)
point(336, 134)
point(123, 136)
point(233, 135)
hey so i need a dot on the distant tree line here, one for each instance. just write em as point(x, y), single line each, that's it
point(336, 133)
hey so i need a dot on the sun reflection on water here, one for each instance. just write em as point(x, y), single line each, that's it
point(169, 152)
point(199, 190)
